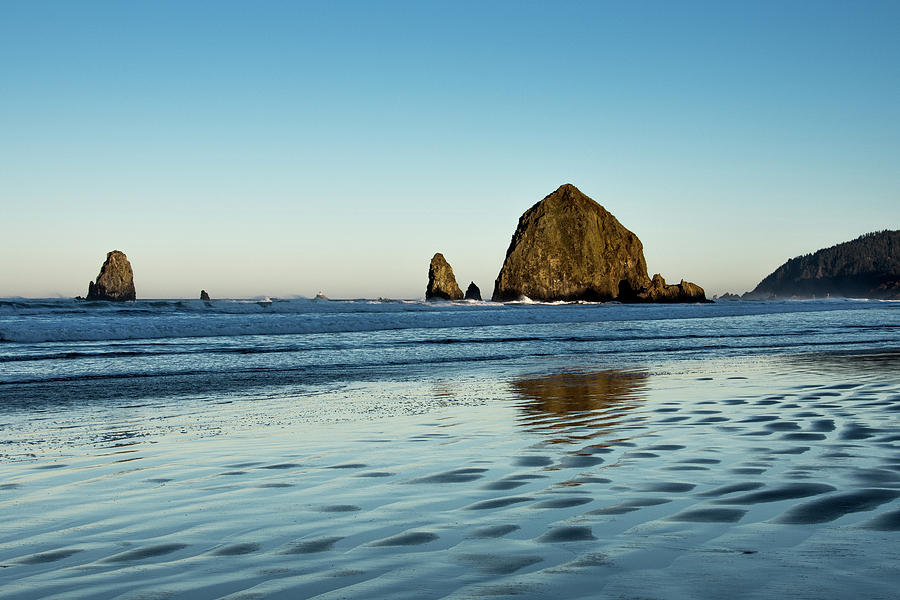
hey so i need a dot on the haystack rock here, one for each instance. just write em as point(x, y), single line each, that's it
point(204, 295)
point(115, 281)
point(472, 292)
point(568, 247)
point(441, 281)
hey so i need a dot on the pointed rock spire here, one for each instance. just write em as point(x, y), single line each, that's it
point(441, 281)
point(115, 281)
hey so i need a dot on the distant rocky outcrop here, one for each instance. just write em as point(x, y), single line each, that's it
point(441, 281)
point(660, 291)
point(867, 267)
point(115, 281)
point(727, 296)
point(568, 247)
point(204, 295)
point(472, 292)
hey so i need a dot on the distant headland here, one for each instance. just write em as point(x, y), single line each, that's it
point(867, 267)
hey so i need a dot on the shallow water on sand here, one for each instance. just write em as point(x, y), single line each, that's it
point(743, 477)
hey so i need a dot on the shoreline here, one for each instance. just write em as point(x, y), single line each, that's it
point(357, 450)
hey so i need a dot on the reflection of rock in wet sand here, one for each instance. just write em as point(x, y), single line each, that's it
point(578, 405)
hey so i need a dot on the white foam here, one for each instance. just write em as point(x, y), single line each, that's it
point(53, 320)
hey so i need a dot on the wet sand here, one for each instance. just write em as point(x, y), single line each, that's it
point(747, 478)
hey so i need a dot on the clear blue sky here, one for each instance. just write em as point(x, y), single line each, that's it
point(277, 148)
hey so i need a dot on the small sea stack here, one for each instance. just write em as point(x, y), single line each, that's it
point(115, 282)
point(660, 291)
point(472, 292)
point(441, 281)
point(204, 295)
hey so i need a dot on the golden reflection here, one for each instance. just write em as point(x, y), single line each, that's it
point(579, 406)
point(443, 390)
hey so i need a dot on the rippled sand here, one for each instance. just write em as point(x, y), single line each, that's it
point(750, 478)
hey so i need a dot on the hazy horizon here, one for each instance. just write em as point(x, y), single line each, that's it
point(294, 148)
point(486, 289)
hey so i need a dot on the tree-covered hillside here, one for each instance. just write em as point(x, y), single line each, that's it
point(867, 267)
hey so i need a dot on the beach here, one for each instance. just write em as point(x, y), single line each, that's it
point(398, 450)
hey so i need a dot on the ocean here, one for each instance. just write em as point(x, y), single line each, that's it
point(302, 448)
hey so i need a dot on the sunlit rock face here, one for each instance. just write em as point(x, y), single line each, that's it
point(441, 281)
point(115, 281)
point(568, 247)
point(660, 291)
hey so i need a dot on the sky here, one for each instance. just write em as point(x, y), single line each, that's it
point(285, 148)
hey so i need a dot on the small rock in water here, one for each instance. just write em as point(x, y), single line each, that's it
point(660, 291)
point(204, 295)
point(472, 292)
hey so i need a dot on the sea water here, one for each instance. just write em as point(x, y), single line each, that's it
point(58, 351)
point(300, 448)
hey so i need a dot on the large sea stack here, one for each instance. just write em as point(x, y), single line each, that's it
point(568, 247)
point(441, 281)
point(115, 281)
point(867, 267)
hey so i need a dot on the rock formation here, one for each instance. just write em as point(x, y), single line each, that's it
point(441, 281)
point(204, 295)
point(472, 292)
point(867, 267)
point(115, 281)
point(660, 291)
point(568, 247)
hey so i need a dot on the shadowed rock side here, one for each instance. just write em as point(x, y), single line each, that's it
point(472, 292)
point(867, 267)
point(568, 247)
point(115, 281)
point(441, 281)
point(204, 295)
